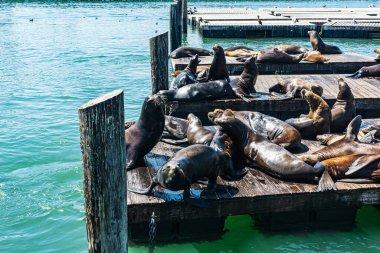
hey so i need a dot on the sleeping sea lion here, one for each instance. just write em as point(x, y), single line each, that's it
point(239, 51)
point(314, 56)
point(289, 48)
point(293, 87)
point(372, 71)
point(318, 44)
point(317, 121)
point(343, 110)
point(142, 136)
point(189, 52)
point(188, 75)
point(277, 56)
point(270, 157)
point(347, 146)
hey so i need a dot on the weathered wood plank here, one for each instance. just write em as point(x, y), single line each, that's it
point(159, 62)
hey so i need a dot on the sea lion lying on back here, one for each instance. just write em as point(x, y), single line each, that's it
point(218, 69)
point(277, 56)
point(318, 44)
point(314, 56)
point(289, 49)
point(344, 109)
point(189, 52)
point(188, 75)
point(317, 121)
point(372, 71)
point(293, 87)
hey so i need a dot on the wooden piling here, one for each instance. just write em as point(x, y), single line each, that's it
point(184, 16)
point(175, 35)
point(179, 20)
point(102, 140)
point(159, 62)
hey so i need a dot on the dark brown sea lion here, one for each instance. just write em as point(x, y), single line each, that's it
point(189, 52)
point(230, 49)
point(275, 130)
point(244, 85)
point(199, 91)
point(186, 167)
point(293, 87)
point(372, 71)
point(218, 69)
point(359, 167)
point(277, 56)
point(188, 75)
point(142, 136)
point(347, 146)
point(270, 157)
point(317, 121)
point(318, 44)
point(314, 56)
point(289, 48)
point(196, 133)
point(176, 127)
point(343, 110)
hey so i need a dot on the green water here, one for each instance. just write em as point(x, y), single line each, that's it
point(73, 52)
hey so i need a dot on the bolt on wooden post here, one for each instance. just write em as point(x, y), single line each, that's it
point(102, 138)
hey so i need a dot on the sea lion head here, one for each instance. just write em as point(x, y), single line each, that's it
point(317, 89)
point(215, 114)
point(377, 50)
point(344, 91)
point(312, 33)
point(279, 88)
point(218, 50)
point(226, 120)
point(152, 107)
point(354, 127)
point(193, 119)
point(312, 99)
point(250, 63)
point(193, 64)
point(171, 176)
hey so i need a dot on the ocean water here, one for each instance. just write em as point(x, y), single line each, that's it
point(73, 52)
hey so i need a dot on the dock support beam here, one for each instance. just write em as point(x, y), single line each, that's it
point(184, 16)
point(175, 29)
point(102, 141)
point(159, 69)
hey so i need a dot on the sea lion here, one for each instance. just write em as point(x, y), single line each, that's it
point(189, 52)
point(231, 49)
point(142, 136)
point(196, 133)
point(343, 110)
point(347, 146)
point(244, 85)
point(314, 56)
point(188, 75)
point(317, 121)
point(318, 44)
point(289, 48)
point(239, 51)
point(328, 139)
point(293, 87)
point(277, 56)
point(186, 167)
point(176, 127)
point(270, 157)
point(272, 128)
point(372, 71)
point(199, 91)
point(218, 69)
point(359, 167)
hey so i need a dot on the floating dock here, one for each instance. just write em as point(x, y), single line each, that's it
point(338, 64)
point(365, 90)
point(275, 203)
point(287, 22)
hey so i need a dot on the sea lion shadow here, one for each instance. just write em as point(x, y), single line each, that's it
point(302, 148)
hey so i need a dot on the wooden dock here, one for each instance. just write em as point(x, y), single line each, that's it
point(287, 22)
point(365, 90)
point(338, 63)
point(257, 193)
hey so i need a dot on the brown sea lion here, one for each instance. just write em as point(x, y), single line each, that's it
point(277, 56)
point(199, 91)
point(186, 167)
point(142, 136)
point(314, 56)
point(244, 85)
point(231, 49)
point(189, 52)
point(377, 51)
point(289, 48)
point(270, 157)
point(347, 146)
point(318, 44)
point(196, 133)
point(359, 167)
point(176, 127)
point(240, 51)
point(372, 71)
point(218, 69)
point(188, 75)
point(344, 109)
point(328, 139)
point(317, 121)
point(293, 87)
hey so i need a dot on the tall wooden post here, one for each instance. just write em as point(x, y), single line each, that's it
point(184, 16)
point(159, 69)
point(173, 31)
point(179, 20)
point(102, 139)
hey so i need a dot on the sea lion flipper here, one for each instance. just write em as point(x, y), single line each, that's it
point(357, 180)
point(361, 163)
point(353, 128)
point(175, 142)
point(326, 183)
point(146, 191)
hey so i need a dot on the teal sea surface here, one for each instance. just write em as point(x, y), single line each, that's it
point(75, 51)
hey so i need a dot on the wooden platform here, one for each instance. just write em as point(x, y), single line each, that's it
point(365, 90)
point(257, 193)
point(287, 22)
point(338, 63)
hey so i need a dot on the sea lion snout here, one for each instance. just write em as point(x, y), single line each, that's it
point(215, 114)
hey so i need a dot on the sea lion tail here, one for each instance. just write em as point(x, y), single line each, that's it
point(361, 163)
point(146, 191)
point(325, 181)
